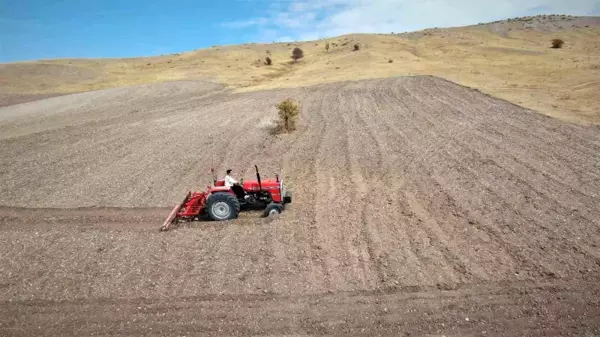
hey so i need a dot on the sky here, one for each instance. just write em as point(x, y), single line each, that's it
point(48, 29)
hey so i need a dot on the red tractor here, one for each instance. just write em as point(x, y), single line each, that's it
point(220, 202)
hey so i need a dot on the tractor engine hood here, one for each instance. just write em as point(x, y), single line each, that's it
point(267, 185)
point(270, 186)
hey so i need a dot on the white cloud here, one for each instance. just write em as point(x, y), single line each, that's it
point(294, 20)
point(273, 35)
point(313, 19)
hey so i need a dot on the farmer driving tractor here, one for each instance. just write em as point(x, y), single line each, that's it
point(229, 180)
point(235, 185)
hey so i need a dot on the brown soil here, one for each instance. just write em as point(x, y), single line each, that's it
point(7, 99)
point(420, 208)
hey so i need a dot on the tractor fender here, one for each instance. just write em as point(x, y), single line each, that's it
point(220, 189)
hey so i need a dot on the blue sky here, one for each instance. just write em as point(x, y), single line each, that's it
point(45, 29)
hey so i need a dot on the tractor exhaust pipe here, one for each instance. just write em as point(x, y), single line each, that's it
point(258, 178)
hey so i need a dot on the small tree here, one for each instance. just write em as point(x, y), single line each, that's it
point(288, 114)
point(297, 54)
point(327, 47)
point(268, 61)
point(557, 43)
point(356, 47)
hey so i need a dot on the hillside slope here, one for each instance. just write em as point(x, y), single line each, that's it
point(508, 59)
point(418, 203)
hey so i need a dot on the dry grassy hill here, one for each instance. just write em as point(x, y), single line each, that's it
point(510, 59)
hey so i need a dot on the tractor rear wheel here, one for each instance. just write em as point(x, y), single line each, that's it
point(222, 206)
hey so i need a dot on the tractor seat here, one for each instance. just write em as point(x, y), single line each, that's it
point(239, 191)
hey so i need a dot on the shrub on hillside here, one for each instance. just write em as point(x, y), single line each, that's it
point(268, 61)
point(327, 47)
point(356, 47)
point(557, 43)
point(288, 112)
point(297, 54)
point(391, 61)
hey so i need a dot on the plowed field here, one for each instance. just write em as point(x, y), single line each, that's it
point(419, 207)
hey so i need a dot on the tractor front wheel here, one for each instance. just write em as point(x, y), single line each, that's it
point(222, 206)
point(273, 209)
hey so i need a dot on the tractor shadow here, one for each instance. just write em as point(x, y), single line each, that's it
point(244, 219)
